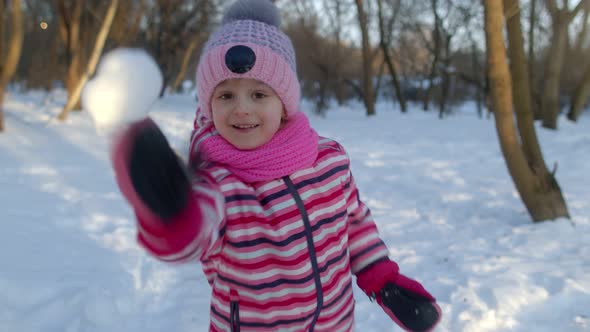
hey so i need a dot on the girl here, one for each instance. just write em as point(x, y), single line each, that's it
point(269, 208)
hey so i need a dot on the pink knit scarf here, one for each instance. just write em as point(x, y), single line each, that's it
point(293, 147)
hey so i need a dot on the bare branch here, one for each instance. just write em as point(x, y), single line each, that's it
point(578, 8)
point(552, 7)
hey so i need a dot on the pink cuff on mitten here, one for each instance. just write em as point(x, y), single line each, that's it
point(373, 278)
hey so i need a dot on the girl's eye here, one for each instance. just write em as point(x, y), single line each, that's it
point(259, 95)
point(225, 96)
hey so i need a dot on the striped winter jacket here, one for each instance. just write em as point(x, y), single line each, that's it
point(279, 255)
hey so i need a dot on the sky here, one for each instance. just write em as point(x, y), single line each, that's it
point(438, 189)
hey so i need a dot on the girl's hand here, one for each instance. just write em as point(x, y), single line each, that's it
point(403, 299)
point(157, 175)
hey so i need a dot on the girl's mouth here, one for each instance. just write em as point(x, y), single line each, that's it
point(245, 127)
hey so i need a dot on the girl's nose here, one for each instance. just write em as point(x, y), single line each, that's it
point(243, 108)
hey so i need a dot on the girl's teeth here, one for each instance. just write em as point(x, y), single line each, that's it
point(245, 126)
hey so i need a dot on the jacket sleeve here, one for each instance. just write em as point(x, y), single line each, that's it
point(365, 245)
point(187, 236)
point(191, 235)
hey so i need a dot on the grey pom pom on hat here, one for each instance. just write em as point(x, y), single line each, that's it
point(257, 10)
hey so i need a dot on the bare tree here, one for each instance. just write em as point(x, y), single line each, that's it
point(328, 67)
point(582, 91)
point(74, 96)
point(476, 76)
point(582, 38)
point(196, 36)
point(444, 29)
point(580, 97)
point(311, 53)
point(186, 58)
point(539, 192)
point(446, 76)
point(70, 16)
point(549, 201)
point(412, 51)
point(560, 20)
point(439, 51)
point(39, 69)
point(9, 63)
point(368, 90)
point(436, 53)
point(126, 26)
point(172, 26)
point(531, 54)
point(335, 12)
point(385, 33)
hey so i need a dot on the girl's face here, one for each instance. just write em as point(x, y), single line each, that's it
point(246, 112)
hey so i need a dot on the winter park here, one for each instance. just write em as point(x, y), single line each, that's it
point(257, 165)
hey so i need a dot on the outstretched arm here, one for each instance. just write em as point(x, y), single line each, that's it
point(178, 213)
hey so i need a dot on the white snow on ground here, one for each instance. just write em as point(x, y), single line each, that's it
point(439, 190)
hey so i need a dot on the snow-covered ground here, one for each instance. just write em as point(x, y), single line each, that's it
point(439, 190)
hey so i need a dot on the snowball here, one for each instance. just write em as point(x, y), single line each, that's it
point(127, 83)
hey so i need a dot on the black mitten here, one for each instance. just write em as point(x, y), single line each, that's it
point(414, 311)
point(158, 175)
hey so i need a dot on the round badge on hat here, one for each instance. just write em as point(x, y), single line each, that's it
point(240, 59)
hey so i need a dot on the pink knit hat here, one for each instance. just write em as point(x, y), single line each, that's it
point(249, 44)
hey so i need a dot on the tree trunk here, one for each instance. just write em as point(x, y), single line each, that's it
point(384, 43)
point(320, 105)
point(583, 35)
point(550, 99)
point(379, 81)
point(446, 78)
point(560, 20)
point(476, 75)
point(532, 60)
point(436, 51)
point(188, 54)
point(580, 97)
point(368, 93)
point(521, 93)
point(547, 190)
point(71, 31)
point(98, 46)
point(395, 81)
point(9, 64)
point(582, 91)
point(337, 22)
point(541, 201)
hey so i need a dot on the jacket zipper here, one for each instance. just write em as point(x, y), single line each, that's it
point(312, 254)
point(234, 312)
